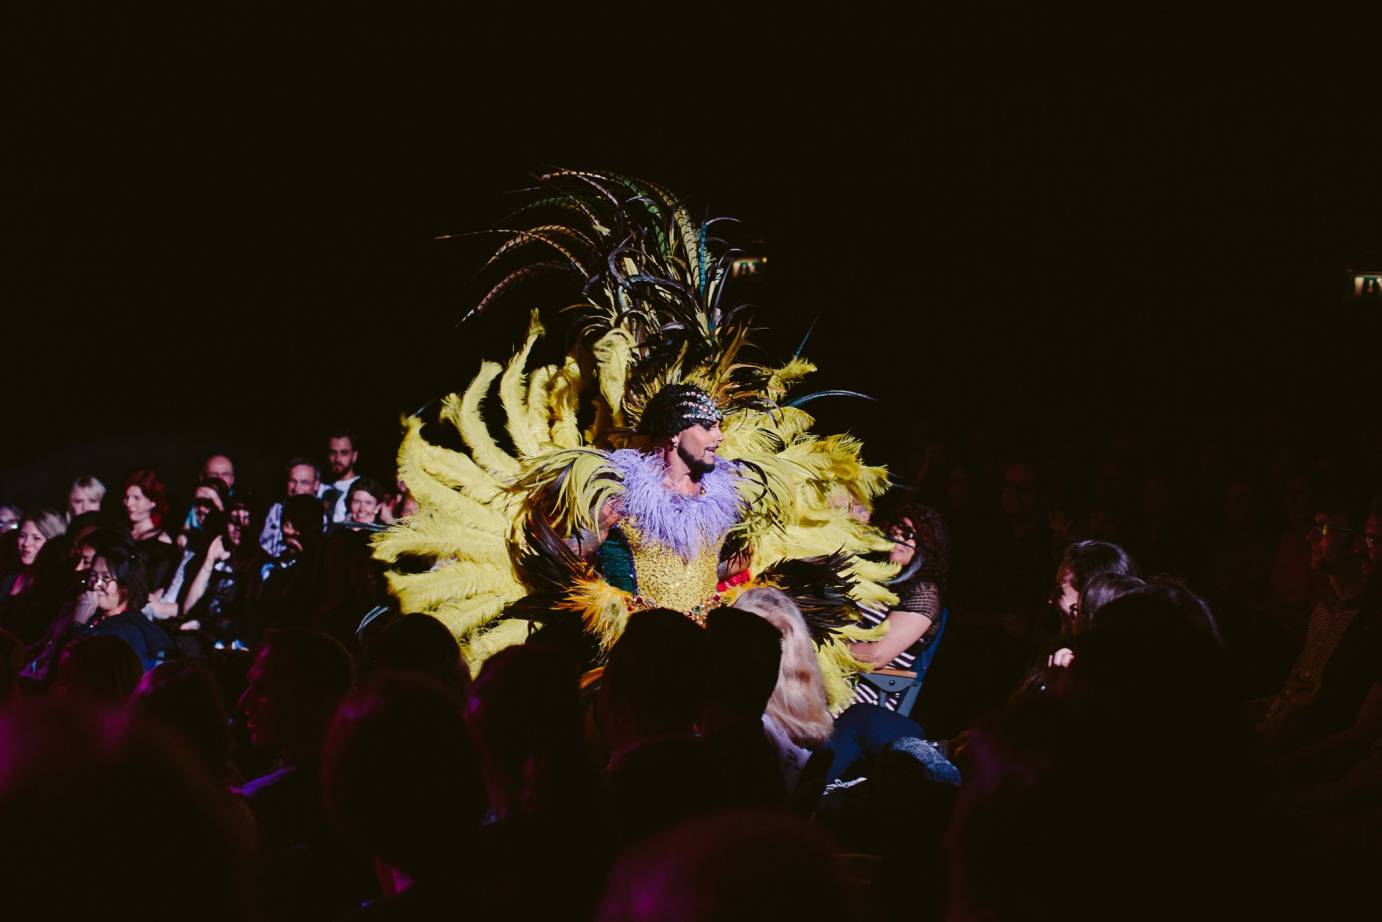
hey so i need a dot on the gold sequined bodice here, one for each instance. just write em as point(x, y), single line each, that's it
point(665, 578)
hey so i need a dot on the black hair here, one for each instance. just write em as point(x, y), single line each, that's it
point(126, 564)
point(300, 461)
point(657, 668)
point(1102, 589)
point(217, 484)
point(306, 514)
point(744, 653)
point(677, 407)
point(368, 485)
point(1088, 559)
point(344, 432)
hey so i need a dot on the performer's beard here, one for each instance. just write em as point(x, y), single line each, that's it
point(698, 467)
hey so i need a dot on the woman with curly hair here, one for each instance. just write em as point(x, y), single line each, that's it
point(921, 546)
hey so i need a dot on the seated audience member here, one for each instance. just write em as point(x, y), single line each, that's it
point(209, 496)
point(419, 645)
point(1333, 555)
point(342, 454)
point(1138, 761)
point(303, 479)
point(116, 822)
point(35, 530)
point(348, 583)
point(921, 546)
point(86, 495)
point(215, 598)
point(398, 504)
point(549, 823)
point(402, 782)
point(185, 698)
point(650, 698)
point(146, 510)
point(1345, 719)
point(9, 518)
point(220, 468)
point(797, 717)
point(899, 811)
point(743, 659)
point(1098, 591)
point(284, 588)
point(70, 596)
point(364, 500)
point(113, 602)
point(747, 864)
point(1082, 562)
point(36, 587)
point(101, 670)
point(294, 686)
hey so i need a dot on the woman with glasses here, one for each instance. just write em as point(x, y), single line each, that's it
point(114, 593)
point(921, 546)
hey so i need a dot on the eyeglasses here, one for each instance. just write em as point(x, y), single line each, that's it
point(98, 581)
point(1322, 531)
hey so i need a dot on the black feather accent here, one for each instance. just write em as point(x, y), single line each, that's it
point(820, 587)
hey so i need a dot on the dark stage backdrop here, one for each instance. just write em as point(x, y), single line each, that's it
point(220, 219)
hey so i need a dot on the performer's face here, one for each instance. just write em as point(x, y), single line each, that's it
point(697, 446)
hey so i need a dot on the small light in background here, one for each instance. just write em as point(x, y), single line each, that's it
point(1367, 285)
point(749, 267)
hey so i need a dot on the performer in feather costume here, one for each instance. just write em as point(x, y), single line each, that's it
point(653, 467)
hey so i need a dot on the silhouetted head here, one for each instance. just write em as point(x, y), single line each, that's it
point(743, 654)
point(401, 778)
point(421, 645)
point(102, 670)
point(185, 697)
point(103, 804)
point(654, 680)
point(294, 686)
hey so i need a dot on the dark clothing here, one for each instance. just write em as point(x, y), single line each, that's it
point(1349, 674)
point(147, 639)
point(862, 731)
point(749, 763)
point(309, 873)
point(161, 559)
point(657, 783)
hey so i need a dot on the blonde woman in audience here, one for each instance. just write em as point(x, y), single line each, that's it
point(85, 496)
point(797, 718)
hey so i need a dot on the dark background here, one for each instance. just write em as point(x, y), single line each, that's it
point(220, 218)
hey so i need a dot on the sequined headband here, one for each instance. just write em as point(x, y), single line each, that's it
point(677, 407)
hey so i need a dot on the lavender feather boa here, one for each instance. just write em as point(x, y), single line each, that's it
point(687, 524)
